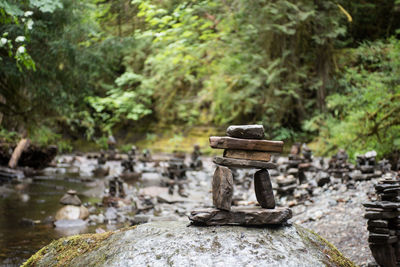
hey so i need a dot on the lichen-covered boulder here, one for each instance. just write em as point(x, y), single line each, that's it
point(175, 244)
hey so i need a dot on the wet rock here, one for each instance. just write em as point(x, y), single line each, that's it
point(175, 244)
point(246, 131)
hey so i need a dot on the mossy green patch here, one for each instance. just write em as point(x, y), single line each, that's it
point(334, 257)
point(68, 248)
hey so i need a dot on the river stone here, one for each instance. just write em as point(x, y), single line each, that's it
point(252, 216)
point(246, 131)
point(70, 198)
point(70, 212)
point(222, 188)
point(175, 244)
point(263, 189)
point(241, 163)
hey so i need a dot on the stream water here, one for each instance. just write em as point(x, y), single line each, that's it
point(25, 214)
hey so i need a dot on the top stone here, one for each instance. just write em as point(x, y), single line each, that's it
point(70, 198)
point(246, 131)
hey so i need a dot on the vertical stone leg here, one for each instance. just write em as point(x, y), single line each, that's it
point(384, 254)
point(222, 188)
point(263, 188)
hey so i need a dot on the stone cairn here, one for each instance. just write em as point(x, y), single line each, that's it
point(195, 157)
point(176, 172)
point(72, 207)
point(244, 147)
point(384, 222)
point(338, 165)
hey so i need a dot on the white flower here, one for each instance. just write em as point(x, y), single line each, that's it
point(20, 39)
point(28, 13)
point(21, 50)
point(3, 41)
point(29, 24)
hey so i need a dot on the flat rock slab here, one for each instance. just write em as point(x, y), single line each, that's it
point(382, 205)
point(246, 131)
point(263, 189)
point(240, 216)
point(245, 144)
point(381, 215)
point(241, 163)
point(246, 154)
point(222, 188)
point(380, 239)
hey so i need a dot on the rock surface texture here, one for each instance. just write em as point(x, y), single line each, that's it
point(175, 244)
point(222, 187)
point(245, 144)
point(263, 189)
point(251, 216)
point(242, 163)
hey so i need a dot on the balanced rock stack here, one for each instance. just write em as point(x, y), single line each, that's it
point(244, 147)
point(384, 223)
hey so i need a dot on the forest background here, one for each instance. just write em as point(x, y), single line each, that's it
point(166, 74)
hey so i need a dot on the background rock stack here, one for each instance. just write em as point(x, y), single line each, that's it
point(244, 147)
point(384, 222)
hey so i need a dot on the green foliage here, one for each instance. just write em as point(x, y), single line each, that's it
point(363, 114)
point(85, 69)
point(229, 62)
point(8, 136)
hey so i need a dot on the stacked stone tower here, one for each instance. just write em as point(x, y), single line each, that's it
point(384, 222)
point(244, 147)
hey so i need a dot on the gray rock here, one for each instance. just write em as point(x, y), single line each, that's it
point(246, 131)
point(100, 218)
point(111, 214)
point(151, 179)
point(175, 244)
point(140, 218)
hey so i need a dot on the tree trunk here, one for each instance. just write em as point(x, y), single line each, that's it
point(22, 145)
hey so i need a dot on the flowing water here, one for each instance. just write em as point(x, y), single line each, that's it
point(25, 214)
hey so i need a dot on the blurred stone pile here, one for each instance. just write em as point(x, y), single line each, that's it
point(384, 221)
